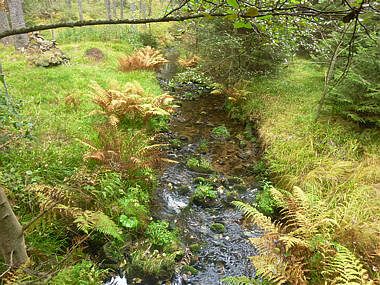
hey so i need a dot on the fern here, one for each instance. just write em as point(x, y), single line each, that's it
point(189, 62)
point(130, 101)
point(239, 280)
point(345, 268)
point(147, 58)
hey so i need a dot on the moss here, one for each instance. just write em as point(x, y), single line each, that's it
point(202, 165)
point(218, 228)
point(199, 180)
point(189, 268)
point(195, 248)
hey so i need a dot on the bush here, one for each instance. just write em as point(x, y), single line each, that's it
point(147, 39)
point(358, 96)
point(231, 53)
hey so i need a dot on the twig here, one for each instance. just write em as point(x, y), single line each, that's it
point(38, 216)
point(9, 267)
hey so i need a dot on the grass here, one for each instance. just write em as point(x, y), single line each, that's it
point(55, 155)
point(336, 162)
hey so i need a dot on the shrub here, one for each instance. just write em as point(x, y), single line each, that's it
point(148, 39)
point(358, 96)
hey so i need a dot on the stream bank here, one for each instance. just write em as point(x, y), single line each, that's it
point(214, 158)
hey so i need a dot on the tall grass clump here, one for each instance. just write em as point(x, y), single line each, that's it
point(335, 162)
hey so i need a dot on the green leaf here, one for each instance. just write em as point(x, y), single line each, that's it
point(265, 17)
point(129, 223)
point(238, 25)
point(252, 12)
point(2, 78)
point(233, 3)
point(230, 17)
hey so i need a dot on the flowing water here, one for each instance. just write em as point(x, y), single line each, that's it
point(215, 255)
point(191, 135)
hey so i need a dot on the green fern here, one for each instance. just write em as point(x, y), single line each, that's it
point(345, 268)
point(88, 220)
point(239, 280)
point(262, 221)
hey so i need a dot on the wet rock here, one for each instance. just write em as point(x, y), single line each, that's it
point(232, 196)
point(184, 138)
point(240, 187)
point(184, 189)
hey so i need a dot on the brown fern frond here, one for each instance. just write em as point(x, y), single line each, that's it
point(129, 101)
point(147, 58)
point(189, 62)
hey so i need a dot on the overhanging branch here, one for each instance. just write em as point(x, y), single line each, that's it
point(294, 11)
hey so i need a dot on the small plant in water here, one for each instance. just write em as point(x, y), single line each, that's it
point(201, 165)
point(220, 132)
point(203, 146)
point(175, 143)
point(264, 199)
point(204, 195)
point(160, 235)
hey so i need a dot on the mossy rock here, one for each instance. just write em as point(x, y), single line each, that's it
point(195, 248)
point(230, 181)
point(189, 268)
point(183, 189)
point(199, 180)
point(218, 228)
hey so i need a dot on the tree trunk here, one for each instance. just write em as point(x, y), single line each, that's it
point(121, 9)
point(68, 2)
point(51, 19)
point(133, 9)
point(107, 3)
point(114, 9)
point(80, 10)
point(17, 20)
point(4, 26)
point(12, 244)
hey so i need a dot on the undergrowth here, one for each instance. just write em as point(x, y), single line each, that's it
point(94, 174)
point(336, 163)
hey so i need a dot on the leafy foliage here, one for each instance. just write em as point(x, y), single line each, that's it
point(160, 235)
point(358, 96)
point(83, 273)
point(65, 203)
point(147, 58)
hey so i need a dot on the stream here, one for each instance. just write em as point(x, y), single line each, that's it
point(215, 253)
point(193, 134)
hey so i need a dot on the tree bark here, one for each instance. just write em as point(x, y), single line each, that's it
point(12, 244)
point(80, 10)
point(114, 9)
point(4, 26)
point(17, 20)
point(121, 9)
point(107, 3)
